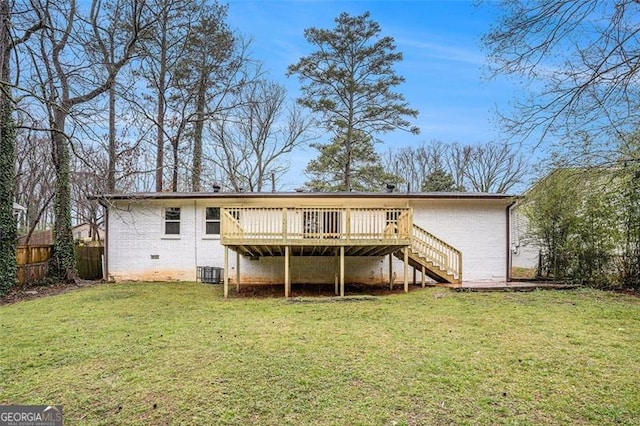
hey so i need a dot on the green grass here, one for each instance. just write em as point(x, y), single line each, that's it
point(178, 353)
point(524, 273)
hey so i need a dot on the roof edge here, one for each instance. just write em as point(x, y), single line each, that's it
point(293, 195)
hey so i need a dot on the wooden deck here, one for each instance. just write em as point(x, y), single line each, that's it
point(339, 232)
point(260, 232)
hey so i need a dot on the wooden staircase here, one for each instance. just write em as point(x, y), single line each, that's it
point(434, 257)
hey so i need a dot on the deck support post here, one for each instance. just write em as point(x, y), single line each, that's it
point(336, 271)
point(287, 272)
point(390, 271)
point(406, 269)
point(423, 276)
point(341, 271)
point(415, 271)
point(237, 271)
point(225, 273)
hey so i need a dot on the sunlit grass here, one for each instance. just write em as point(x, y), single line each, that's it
point(178, 353)
point(523, 273)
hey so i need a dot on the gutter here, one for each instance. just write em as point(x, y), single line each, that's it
point(105, 265)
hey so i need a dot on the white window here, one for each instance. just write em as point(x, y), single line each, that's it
point(212, 221)
point(172, 221)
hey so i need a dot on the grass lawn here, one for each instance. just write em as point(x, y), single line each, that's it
point(178, 353)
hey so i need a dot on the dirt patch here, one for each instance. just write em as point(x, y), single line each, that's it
point(36, 291)
point(317, 290)
point(333, 299)
point(629, 292)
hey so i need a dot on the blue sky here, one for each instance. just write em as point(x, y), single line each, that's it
point(443, 61)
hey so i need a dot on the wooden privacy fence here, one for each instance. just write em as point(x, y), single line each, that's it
point(89, 262)
point(33, 262)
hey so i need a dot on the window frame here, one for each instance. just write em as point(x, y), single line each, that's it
point(166, 221)
point(207, 221)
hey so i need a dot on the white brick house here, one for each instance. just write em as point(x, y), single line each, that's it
point(276, 238)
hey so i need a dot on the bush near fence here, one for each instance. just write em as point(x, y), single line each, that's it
point(33, 262)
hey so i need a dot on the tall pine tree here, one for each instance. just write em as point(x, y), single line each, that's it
point(349, 80)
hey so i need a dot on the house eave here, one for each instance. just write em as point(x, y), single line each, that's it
point(302, 195)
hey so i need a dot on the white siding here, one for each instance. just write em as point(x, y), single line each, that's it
point(135, 235)
point(138, 248)
point(478, 228)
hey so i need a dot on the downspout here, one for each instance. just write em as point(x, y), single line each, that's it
point(105, 271)
point(509, 259)
point(195, 237)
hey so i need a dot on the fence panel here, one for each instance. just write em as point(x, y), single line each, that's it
point(33, 263)
point(89, 262)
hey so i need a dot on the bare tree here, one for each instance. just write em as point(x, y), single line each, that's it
point(490, 167)
point(252, 138)
point(206, 74)
point(161, 47)
point(413, 164)
point(221, 74)
point(87, 178)
point(400, 164)
point(35, 179)
point(458, 161)
point(495, 168)
point(8, 44)
point(110, 35)
point(67, 78)
point(191, 62)
point(581, 59)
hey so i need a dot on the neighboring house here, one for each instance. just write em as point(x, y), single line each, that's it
point(308, 237)
point(18, 210)
point(85, 233)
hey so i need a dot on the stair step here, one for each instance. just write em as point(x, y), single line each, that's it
point(418, 259)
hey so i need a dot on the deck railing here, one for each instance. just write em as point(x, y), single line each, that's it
point(437, 251)
point(300, 224)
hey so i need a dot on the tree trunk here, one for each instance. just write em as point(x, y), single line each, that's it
point(160, 136)
point(162, 83)
point(111, 172)
point(349, 146)
point(176, 158)
point(196, 175)
point(7, 159)
point(63, 262)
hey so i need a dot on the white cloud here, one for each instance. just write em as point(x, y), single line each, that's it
point(444, 51)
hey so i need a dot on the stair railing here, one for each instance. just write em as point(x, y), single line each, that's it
point(441, 254)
